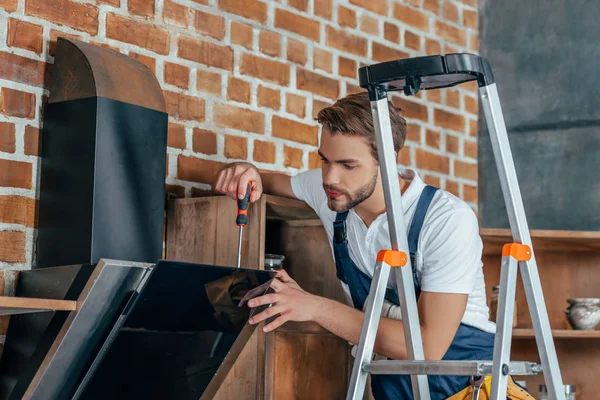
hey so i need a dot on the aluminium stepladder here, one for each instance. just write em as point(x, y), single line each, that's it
point(410, 76)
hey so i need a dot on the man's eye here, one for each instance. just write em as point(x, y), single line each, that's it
point(324, 160)
point(348, 166)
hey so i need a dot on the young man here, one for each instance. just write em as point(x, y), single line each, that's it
point(444, 239)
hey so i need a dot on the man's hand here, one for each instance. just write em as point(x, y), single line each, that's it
point(290, 301)
point(234, 178)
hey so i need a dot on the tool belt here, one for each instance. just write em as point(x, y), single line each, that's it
point(481, 390)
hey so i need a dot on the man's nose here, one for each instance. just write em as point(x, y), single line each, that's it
point(330, 175)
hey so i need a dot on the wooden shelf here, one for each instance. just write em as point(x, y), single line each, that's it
point(22, 305)
point(558, 334)
point(281, 208)
point(546, 240)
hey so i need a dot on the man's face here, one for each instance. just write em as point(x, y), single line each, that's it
point(350, 173)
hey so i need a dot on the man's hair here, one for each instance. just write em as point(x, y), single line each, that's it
point(352, 116)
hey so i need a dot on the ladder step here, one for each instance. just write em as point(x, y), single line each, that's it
point(460, 368)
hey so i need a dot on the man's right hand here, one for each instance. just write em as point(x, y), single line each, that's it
point(234, 178)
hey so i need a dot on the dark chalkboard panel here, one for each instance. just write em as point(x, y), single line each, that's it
point(545, 55)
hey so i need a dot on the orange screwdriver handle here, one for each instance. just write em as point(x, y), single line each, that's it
point(242, 215)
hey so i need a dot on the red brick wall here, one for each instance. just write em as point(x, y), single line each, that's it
point(243, 80)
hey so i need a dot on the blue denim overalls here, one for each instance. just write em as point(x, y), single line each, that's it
point(469, 343)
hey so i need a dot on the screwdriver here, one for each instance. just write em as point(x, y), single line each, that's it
point(242, 221)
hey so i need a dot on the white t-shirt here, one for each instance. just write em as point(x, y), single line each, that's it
point(449, 251)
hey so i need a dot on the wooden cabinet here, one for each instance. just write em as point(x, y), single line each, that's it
point(299, 360)
point(569, 267)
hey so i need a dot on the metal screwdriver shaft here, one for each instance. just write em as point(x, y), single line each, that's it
point(242, 221)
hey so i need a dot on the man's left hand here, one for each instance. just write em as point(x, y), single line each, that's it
point(289, 301)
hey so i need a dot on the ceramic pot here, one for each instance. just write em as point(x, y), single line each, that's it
point(583, 314)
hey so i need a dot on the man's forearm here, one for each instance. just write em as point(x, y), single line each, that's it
point(346, 322)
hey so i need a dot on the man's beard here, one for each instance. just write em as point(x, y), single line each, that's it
point(352, 199)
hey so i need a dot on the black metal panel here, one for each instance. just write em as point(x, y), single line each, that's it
point(102, 183)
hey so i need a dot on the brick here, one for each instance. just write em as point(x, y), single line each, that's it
point(432, 138)
point(292, 157)
point(317, 84)
point(242, 119)
point(175, 190)
point(209, 82)
point(54, 35)
point(204, 52)
point(106, 45)
point(391, 32)
point(469, 18)
point(175, 13)
point(323, 60)
point(435, 96)
point(204, 141)
point(432, 5)
point(413, 133)
point(82, 17)
point(411, 109)
point(183, 107)
point(351, 88)
point(18, 210)
point(209, 24)
point(411, 17)
point(12, 246)
point(7, 137)
point(238, 90)
point(470, 149)
point(296, 51)
point(15, 174)
point(268, 98)
point(193, 169)
point(404, 158)
point(317, 106)
point(264, 152)
point(369, 25)
point(314, 160)
point(346, 17)
point(301, 5)
point(33, 141)
point(298, 24)
point(385, 53)
point(345, 41)
point(472, 3)
point(265, 69)
point(473, 127)
point(205, 2)
point(451, 33)
point(347, 67)
point(453, 187)
point(148, 61)
point(469, 193)
point(432, 180)
point(295, 104)
point(323, 8)
point(269, 43)
point(296, 131)
point(137, 33)
point(432, 162)
point(241, 34)
point(452, 144)
point(450, 48)
point(432, 47)
point(450, 11)
point(21, 69)
point(178, 75)
point(453, 98)
point(116, 3)
point(377, 6)
point(473, 42)
point(141, 7)
point(471, 105)
point(412, 40)
point(176, 136)
point(17, 103)
point(9, 5)
point(251, 9)
point(24, 35)
point(236, 147)
point(448, 120)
